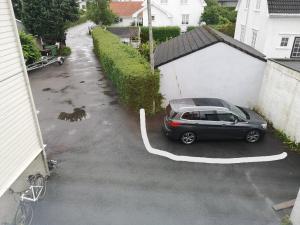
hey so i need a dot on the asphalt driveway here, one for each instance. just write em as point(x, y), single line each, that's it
point(105, 175)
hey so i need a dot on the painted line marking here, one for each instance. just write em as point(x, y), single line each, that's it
point(201, 159)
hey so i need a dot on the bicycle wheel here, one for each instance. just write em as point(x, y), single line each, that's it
point(39, 180)
point(24, 214)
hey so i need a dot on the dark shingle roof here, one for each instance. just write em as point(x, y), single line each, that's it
point(197, 39)
point(284, 6)
point(124, 32)
point(293, 64)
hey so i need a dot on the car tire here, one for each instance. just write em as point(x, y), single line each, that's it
point(188, 138)
point(253, 136)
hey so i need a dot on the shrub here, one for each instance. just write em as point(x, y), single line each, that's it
point(190, 28)
point(128, 70)
point(227, 28)
point(160, 34)
point(286, 221)
point(30, 50)
point(144, 50)
point(65, 51)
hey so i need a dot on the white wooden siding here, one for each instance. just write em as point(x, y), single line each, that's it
point(20, 138)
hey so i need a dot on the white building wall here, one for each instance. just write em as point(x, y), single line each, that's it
point(20, 136)
point(194, 8)
point(217, 71)
point(270, 29)
point(279, 99)
point(126, 22)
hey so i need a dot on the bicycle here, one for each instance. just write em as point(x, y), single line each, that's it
point(35, 192)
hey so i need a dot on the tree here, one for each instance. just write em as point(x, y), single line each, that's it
point(215, 14)
point(17, 5)
point(47, 18)
point(99, 12)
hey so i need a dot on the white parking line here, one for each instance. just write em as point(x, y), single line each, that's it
point(201, 159)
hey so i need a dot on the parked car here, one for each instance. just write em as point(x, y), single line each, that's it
point(193, 119)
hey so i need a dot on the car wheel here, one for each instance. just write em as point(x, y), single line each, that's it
point(253, 136)
point(188, 138)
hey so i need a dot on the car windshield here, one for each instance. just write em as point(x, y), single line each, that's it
point(237, 111)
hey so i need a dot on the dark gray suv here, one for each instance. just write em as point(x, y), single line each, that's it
point(193, 119)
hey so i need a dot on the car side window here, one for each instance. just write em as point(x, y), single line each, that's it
point(191, 116)
point(209, 116)
point(228, 117)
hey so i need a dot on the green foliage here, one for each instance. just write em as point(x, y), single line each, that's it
point(17, 5)
point(82, 19)
point(144, 50)
point(287, 141)
point(215, 14)
point(128, 70)
point(30, 50)
point(99, 12)
point(227, 28)
point(160, 34)
point(286, 221)
point(190, 28)
point(65, 51)
point(47, 18)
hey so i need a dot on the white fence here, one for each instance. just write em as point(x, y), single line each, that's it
point(279, 99)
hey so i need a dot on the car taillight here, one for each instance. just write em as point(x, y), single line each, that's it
point(174, 123)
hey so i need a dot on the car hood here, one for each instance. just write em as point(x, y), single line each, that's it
point(254, 117)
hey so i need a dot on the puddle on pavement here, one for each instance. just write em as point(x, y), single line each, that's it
point(64, 89)
point(82, 82)
point(109, 93)
point(63, 75)
point(115, 102)
point(50, 89)
point(78, 114)
point(68, 101)
point(101, 79)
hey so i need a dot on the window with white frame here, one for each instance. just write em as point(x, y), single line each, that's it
point(185, 19)
point(254, 37)
point(243, 31)
point(284, 41)
point(247, 4)
point(296, 48)
point(153, 17)
point(258, 2)
point(184, 2)
point(164, 1)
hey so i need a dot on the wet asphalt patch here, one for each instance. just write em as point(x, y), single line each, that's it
point(78, 114)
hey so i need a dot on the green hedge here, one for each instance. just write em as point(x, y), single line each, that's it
point(30, 49)
point(160, 34)
point(128, 70)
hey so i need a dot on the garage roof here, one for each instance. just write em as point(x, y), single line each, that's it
point(284, 6)
point(195, 40)
point(293, 64)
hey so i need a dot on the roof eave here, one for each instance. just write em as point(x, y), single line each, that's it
point(274, 15)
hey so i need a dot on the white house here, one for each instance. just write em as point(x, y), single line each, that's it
point(228, 3)
point(270, 26)
point(207, 63)
point(82, 4)
point(21, 145)
point(182, 13)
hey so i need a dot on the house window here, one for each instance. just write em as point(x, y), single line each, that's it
point(184, 2)
point(185, 19)
point(243, 31)
point(247, 4)
point(153, 18)
point(254, 37)
point(296, 48)
point(164, 1)
point(258, 4)
point(284, 42)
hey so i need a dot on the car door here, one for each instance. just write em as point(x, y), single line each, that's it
point(231, 126)
point(208, 125)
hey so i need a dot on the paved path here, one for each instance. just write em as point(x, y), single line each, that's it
point(105, 175)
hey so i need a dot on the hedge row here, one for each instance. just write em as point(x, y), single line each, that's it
point(160, 34)
point(128, 70)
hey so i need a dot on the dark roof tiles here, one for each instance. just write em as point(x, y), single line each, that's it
point(199, 38)
point(284, 6)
